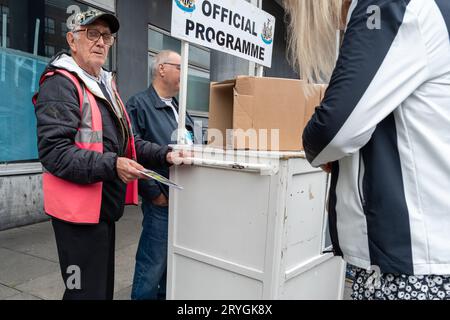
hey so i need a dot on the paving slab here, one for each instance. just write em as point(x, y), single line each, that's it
point(132, 213)
point(48, 287)
point(125, 261)
point(38, 241)
point(17, 268)
point(45, 226)
point(128, 232)
point(29, 268)
point(23, 296)
point(124, 294)
point(6, 292)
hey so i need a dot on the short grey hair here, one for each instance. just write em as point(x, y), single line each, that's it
point(159, 59)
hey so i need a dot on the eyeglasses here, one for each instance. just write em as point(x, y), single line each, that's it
point(94, 35)
point(176, 65)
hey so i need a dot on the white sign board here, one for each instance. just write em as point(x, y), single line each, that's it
point(232, 26)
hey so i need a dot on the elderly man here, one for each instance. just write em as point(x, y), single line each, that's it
point(154, 114)
point(89, 153)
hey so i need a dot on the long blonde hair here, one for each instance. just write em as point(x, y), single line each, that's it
point(313, 26)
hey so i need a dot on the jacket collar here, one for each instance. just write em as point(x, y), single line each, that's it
point(156, 100)
point(65, 61)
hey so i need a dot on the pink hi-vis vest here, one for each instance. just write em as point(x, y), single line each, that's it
point(74, 202)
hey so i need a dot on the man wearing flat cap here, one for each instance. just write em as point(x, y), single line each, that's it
point(90, 156)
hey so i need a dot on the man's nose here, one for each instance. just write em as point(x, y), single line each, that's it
point(100, 41)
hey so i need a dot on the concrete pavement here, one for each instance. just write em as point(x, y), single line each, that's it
point(29, 268)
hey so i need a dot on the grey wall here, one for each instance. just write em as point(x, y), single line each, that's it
point(132, 62)
point(160, 13)
point(21, 201)
point(132, 46)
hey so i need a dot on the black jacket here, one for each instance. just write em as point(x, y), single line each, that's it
point(58, 118)
point(153, 120)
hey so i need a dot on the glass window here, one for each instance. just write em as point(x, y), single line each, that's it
point(64, 29)
point(199, 57)
point(49, 26)
point(19, 72)
point(35, 31)
point(4, 11)
point(49, 51)
point(198, 91)
point(198, 72)
point(158, 40)
point(37, 24)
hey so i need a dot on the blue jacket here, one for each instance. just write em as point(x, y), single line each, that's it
point(154, 121)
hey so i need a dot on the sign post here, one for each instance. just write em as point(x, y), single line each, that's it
point(236, 27)
point(183, 93)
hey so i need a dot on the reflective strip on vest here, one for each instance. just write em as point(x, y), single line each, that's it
point(87, 136)
point(90, 133)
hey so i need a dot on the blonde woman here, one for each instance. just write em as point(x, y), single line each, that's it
point(383, 129)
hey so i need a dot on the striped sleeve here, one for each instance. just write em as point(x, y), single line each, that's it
point(376, 70)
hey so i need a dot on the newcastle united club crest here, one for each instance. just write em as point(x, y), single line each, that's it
point(267, 33)
point(186, 5)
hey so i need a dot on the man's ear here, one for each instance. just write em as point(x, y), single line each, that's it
point(161, 71)
point(71, 41)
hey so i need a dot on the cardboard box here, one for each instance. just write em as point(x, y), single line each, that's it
point(255, 113)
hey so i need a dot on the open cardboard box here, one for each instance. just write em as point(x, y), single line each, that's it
point(255, 113)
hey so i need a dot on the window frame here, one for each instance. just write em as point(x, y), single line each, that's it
point(64, 29)
point(47, 28)
point(19, 169)
point(49, 48)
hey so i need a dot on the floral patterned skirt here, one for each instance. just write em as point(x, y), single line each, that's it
point(368, 285)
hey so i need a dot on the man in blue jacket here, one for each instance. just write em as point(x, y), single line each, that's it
point(154, 115)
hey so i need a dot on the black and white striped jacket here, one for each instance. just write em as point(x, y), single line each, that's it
point(385, 123)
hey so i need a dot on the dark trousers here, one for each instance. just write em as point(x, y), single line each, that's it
point(86, 257)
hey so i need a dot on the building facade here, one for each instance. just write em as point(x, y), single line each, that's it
point(32, 31)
